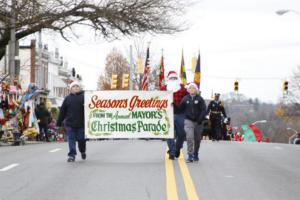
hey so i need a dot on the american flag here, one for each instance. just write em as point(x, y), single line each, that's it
point(145, 81)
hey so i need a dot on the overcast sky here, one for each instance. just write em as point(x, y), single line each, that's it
point(238, 39)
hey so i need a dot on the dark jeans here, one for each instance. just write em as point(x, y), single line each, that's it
point(176, 144)
point(43, 133)
point(76, 134)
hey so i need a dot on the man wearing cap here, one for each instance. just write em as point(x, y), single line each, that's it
point(179, 91)
point(194, 108)
point(216, 112)
point(72, 115)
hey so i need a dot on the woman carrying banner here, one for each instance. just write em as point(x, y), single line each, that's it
point(72, 114)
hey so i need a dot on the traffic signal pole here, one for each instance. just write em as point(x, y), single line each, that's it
point(12, 42)
point(131, 70)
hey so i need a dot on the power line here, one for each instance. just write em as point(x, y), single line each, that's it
point(244, 78)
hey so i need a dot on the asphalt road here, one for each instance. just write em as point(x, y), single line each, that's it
point(139, 170)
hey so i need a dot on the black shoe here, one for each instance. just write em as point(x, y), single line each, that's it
point(83, 156)
point(71, 159)
point(196, 158)
point(171, 157)
point(177, 154)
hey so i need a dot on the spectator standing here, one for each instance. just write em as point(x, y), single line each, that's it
point(43, 116)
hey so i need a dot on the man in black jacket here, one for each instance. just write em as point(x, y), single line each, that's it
point(216, 112)
point(194, 108)
point(72, 114)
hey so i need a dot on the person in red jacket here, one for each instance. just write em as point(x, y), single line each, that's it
point(179, 91)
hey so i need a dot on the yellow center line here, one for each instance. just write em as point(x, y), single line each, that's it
point(170, 180)
point(187, 179)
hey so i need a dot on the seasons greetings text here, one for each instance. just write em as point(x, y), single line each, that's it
point(135, 102)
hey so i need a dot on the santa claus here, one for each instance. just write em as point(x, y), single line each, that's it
point(179, 91)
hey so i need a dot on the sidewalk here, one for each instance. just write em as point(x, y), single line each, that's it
point(26, 143)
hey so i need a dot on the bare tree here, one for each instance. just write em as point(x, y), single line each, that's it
point(247, 111)
point(117, 64)
point(289, 108)
point(107, 18)
point(294, 87)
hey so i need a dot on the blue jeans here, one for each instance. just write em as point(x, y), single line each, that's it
point(76, 134)
point(176, 144)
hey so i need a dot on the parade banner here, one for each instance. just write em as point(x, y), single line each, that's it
point(129, 114)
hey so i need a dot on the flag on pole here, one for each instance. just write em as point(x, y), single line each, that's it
point(182, 74)
point(194, 63)
point(161, 73)
point(248, 134)
point(197, 75)
point(145, 81)
point(139, 63)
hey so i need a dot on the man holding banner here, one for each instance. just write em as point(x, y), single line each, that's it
point(179, 91)
point(72, 115)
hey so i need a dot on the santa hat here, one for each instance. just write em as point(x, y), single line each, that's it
point(191, 84)
point(172, 74)
point(74, 83)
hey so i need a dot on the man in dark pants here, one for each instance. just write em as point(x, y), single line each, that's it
point(43, 115)
point(179, 91)
point(216, 113)
point(72, 113)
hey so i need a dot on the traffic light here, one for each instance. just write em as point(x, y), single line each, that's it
point(236, 86)
point(125, 80)
point(285, 87)
point(114, 80)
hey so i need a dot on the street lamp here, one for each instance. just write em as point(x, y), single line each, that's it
point(284, 11)
point(291, 129)
point(261, 121)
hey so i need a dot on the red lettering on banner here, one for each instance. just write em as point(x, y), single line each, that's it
point(135, 102)
point(96, 102)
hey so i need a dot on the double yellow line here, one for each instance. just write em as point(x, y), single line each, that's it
point(172, 193)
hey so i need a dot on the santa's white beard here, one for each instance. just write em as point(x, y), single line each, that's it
point(173, 85)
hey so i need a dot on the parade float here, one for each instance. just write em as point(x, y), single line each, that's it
point(17, 117)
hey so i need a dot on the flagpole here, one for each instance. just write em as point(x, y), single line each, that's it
point(148, 71)
point(161, 78)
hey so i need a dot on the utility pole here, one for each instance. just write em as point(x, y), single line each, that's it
point(41, 73)
point(12, 42)
point(131, 70)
